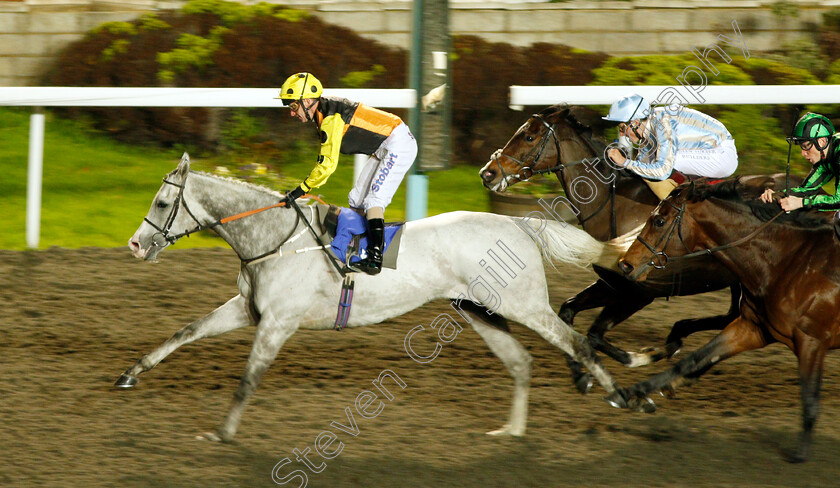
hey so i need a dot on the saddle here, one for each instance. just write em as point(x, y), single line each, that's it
point(347, 232)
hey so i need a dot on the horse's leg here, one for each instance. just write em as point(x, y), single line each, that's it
point(741, 335)
point(268, 340)
point(595, 295)
point(565, 338)
point(232, 315)
point(518, 363)
point(685, 328)
point(811, 353)
point(611, 315)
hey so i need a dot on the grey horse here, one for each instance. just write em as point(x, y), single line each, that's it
point(441, 257)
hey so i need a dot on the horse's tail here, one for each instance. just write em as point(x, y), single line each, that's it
point(616, 248)
point(564, 243)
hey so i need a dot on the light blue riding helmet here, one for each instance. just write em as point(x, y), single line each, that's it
point(628, 108)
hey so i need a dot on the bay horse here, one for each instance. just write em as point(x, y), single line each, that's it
point(608, 202)
point(439, 257)
point(789, 270)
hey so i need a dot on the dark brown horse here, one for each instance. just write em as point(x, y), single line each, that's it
point(608, 202)
point(789, 268)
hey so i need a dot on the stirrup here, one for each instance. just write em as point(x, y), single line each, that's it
point(369, 265)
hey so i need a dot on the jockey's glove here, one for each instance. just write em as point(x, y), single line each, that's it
point(294, 194)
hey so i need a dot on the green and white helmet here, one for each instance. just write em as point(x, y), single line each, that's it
point(811, 127)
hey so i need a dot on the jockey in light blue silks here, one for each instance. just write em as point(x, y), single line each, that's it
point(687, 141)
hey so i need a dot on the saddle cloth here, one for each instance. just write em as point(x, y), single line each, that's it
point(348, 230)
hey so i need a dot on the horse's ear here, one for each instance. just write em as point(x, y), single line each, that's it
point(585, 117)
point(184, 166)
point(691, 192)
point(561, 108)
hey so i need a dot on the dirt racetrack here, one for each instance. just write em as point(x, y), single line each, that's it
point(72, 320)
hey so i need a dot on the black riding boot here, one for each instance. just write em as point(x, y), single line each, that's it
point(372, 264)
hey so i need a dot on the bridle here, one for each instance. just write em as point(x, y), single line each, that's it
point(659, 259)
point(164, 231)
point(526, 171)
point(167, 226)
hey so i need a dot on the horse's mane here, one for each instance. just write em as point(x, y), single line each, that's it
point(745, 198)
point(566, 113)
point(253, 186)
point(578, 126)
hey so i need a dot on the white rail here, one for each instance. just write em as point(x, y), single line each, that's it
point(62, 96)
point(718, 94)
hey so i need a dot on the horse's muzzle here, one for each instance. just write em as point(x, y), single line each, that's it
point(625, 267)
point(488, 176)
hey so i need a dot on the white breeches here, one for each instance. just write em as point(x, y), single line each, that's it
point(384, 171)
point(719, 162)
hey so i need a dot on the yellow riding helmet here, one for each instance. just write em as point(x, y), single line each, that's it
point(300, 86)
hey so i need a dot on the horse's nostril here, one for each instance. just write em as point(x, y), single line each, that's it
point(625, 266)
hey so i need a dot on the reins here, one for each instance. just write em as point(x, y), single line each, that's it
point(332, 258)
point(179, 201)
point(659, 259)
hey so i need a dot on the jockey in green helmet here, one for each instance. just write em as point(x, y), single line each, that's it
point(814, 133)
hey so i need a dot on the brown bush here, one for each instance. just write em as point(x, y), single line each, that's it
point(258, 53)
point(264, 50)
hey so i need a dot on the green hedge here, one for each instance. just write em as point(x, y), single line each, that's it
point(225, 44)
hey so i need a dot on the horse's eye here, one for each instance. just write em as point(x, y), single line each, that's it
point(162, 204)
point(658, 222)
point(529, 138)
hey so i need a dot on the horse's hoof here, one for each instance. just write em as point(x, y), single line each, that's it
point(126, 381)
point(616, 399)
point(672, 349)
point(583, 383)
point(639, 359)
point(567, 315)
point(209, 436)
point(668, 392)
point(654, 354)
point(643, 405)
point(506, 430)
point(794, 456)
